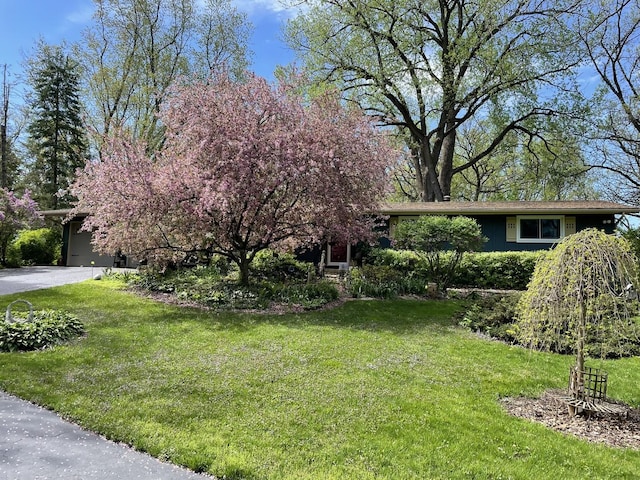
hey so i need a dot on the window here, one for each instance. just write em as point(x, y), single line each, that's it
point(540, 229)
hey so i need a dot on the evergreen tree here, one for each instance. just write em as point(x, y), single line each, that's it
point(57, 142)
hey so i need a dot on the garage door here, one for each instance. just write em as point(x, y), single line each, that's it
point(80, 252)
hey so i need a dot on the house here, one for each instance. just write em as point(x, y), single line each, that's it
point(508, 226)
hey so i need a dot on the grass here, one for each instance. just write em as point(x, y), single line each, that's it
point(372, 389)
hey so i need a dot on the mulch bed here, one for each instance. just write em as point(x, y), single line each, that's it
point(615, 430)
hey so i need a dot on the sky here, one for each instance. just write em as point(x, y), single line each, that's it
point(23, 22)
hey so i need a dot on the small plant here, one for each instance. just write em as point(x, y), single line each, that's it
point(48, 328)
point(206, 286)
point(384, 281)
point(307, 295)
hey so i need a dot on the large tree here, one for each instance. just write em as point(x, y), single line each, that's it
point(136, 49)
point(610, 34)
point(245, 166)
point(4, 141)
point(539, 169)
point(431, 67)
point(57, 141)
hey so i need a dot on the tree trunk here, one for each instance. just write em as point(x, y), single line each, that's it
point(4, 183)
point(4, 151)
point(243, 265)
point(430, 188)
point(446, 164)
point(436, 170)
point(576, 386)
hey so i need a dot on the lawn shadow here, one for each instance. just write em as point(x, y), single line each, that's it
point(95, 302)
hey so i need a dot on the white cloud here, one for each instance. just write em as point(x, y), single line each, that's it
point(82, 14)
point(256, 7)
point(251, 6)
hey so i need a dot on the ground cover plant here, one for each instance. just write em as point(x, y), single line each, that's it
point(371, 389)
point(45, 329)
point(278, 280)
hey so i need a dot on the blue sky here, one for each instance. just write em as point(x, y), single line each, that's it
point(22, 22)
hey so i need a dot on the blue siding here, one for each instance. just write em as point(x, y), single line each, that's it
point(494, 227)
point(596, 221)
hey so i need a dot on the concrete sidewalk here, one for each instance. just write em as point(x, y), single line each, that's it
point(36, 444)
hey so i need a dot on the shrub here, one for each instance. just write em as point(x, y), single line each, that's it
point(384, 281)
point(405, 261)
point(632, 235)
point(38, 247)
point(13, 257)
point(499, 270)
point(48, 328)
point(441, 241)
point(493, 315)
point(279, 267)
point(577, 295)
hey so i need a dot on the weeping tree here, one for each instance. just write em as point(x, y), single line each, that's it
point(579, 288)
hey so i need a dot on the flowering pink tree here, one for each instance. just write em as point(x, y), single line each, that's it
point(245, 166)
point(15, 214)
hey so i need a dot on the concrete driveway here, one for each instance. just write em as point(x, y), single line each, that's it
point(15, 280)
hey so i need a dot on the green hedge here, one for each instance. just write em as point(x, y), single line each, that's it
point(499, 270)
point(496, 270)
point(48, 328)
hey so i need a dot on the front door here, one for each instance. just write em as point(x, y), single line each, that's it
point(338, 254)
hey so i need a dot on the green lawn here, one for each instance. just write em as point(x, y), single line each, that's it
point(372, 389)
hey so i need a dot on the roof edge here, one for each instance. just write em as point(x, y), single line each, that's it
point(498, 208)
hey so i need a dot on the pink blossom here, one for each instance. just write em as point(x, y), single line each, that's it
point(245, 166)
point(15, 214)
